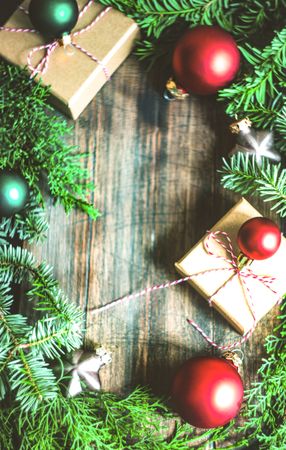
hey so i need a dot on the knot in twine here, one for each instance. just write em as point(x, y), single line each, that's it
point(85, 366)
point(67, 40)
point(244, 273)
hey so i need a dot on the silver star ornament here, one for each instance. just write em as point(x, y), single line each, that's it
point(258, 143)
point(85, 367)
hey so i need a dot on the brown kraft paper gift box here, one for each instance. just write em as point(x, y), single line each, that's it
point(231, 299)
point(74, 79)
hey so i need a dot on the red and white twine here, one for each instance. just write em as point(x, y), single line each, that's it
point(243, 274)
point(49, 48)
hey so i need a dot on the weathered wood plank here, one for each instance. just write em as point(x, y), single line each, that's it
point(155, 167)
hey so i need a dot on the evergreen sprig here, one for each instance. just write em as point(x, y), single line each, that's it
point(242, 18)
point(31, 224)
point(259, 90)
point(103, 421)
point(32, 141)
point(242, 174)
point(264, 424)
point(25, 348)
point(259, 93)
point(142, 422)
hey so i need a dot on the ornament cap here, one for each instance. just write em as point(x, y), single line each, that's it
point(240, 126)
point(174, 91)
point(65, 40)
point(235, 359)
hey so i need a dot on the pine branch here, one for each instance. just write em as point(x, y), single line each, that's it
point(32, 379)
point(32, 141)
point(241, 18)
point(242, 174)
point(259, 93)
point(266, 402)
point(103, 421)
point(25, 348)
point(48, 335)
point(30, 225)
point(140, 421)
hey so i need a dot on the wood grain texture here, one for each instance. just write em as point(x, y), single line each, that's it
point(155, 166)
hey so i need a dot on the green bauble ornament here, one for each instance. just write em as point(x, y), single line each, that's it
point(14, 193)
point(53, 17)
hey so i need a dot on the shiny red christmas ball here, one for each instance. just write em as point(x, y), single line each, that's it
point(259, 238)
point(207, 392)
point(205, 59)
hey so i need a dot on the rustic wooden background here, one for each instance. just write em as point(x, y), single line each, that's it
point(155, 167)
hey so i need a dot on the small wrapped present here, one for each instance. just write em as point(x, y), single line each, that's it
point(74, 76)
point(215, 278)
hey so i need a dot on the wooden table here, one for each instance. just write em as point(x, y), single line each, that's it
point(155, 166)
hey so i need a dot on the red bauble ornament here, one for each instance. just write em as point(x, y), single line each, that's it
point(205, 59)
point(259, 238)
point(207, 392)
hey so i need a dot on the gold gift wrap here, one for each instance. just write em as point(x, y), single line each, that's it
point(224, 286)
point(74, 78)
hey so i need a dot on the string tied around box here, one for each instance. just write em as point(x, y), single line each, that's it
point(66, 41)
point(244, 273)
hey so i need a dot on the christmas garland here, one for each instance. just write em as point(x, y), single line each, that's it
point(32, 142)
point(25, 348)
point(259, 90)
point(35, 411)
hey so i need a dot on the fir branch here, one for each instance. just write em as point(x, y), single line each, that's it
point(33, 143)
point(264, 423)
point(140, 421)
point(241, 18)
point(103, 421)
point(32, 380)
point(155, 16)
point(25, 348)
point(242, 174)
point(48, 335)
point(260, 91)
point(31, 224)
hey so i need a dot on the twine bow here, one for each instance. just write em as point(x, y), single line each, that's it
point(243, 274)
point(66, 40)
point(85, 367)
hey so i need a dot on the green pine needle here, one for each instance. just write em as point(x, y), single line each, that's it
point(103, 421)
point(242, 174)
point(264, 418)
point(241, 18)
point(31, 224)
point(260, 92)
point(25, 348)
point(32, 141)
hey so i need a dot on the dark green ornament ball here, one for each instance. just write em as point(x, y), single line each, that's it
point(53, 18)
point(14, 193)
